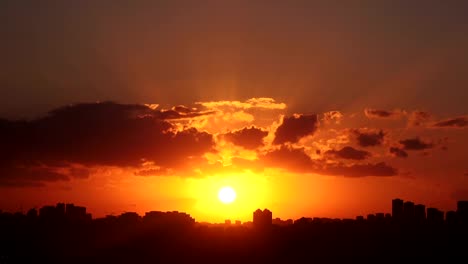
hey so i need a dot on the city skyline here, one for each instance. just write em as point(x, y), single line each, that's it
point(66, 232)
point(401, 211)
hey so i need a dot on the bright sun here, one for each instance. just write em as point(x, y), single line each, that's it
point(227, 195)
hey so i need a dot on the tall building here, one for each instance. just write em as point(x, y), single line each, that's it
point(174, 218)
point(60, 209)
point(32, 213)
point(268, 215)
point(435, 216)
point(75, 213)
point(380, 217)
point(262, 218)
point(462, 211)
point(257, 216)
point(451, 217)
point(420, 213)
point(408, 211)
point(371, 217)
point(397, 209)
point(48, 213)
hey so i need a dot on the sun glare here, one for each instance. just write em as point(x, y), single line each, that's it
point(227, 195)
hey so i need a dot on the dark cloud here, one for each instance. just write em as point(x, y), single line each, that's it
point(249, 138)
point(81, 173)
point(293, 128)
point(184, 109)
point(180, 112)
point(415, 144)
point(349, 153)
point(457, 122)
point(398, 152)
point(418, 118)
point(151, 172)
point(293, 159)
point(362, 170)
point(95, 134)
point(369, 138)
point(12, 175)
point(376, 113)
point(296, 160)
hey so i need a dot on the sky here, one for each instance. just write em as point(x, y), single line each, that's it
point(307, 108)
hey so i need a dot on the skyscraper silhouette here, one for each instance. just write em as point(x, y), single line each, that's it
point(420, 213)
point(462, 211)
point(408, 211)
point(397, 209)
point(262, 219)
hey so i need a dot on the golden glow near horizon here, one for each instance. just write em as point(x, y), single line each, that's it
point(227, 195)
point(251, 189)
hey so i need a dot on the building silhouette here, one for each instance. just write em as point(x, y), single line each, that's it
point(171, 218)
point(262, 219)
point(397, 209)
point(174, 238)
point(420, 213)
point(451, 218)
point(408, 211)
point(76, 213)
point(31, 214)
point(462, 211)
point(435, 216)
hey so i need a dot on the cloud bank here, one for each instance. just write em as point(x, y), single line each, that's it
point(70, 142)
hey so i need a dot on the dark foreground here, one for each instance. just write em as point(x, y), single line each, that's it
point(137, 240)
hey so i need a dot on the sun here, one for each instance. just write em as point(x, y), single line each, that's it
point(227, 195)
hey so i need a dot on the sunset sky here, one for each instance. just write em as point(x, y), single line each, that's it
point(307, 108)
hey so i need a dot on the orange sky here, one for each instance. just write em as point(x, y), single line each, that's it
point(114, 158)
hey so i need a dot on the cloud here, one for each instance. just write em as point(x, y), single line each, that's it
point(262, 103)
point(369, 138)
point(296, 160)
point(151, 172)
point(12, 175)
point(81, 173)
point(96, 134)
point(362, 170)
point(332, 116)
point(249, 138)
point(398, 152)
point(349, 153)
point(415, 144)
point(457, 122)
point(292, 159)
point(418, 118)
point(385, 114)
point(235, 115)
point(184, 109)
point(181, 112)
point(293, 128)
